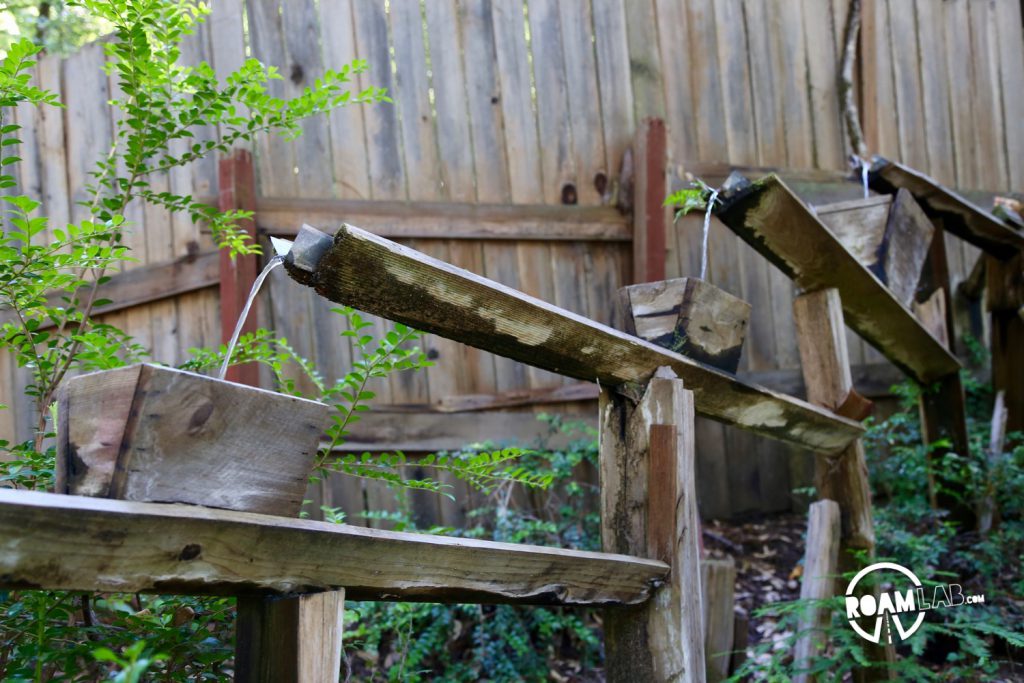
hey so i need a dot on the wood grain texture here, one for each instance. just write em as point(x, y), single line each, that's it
point(889, 236)
point(771, 219)
point(718, 587)
point(149, 433)
point(449, 221)
point(60, 542)
point(826, 370)
point(384, 278)
point(821, 567)
point(691, 317)
point(664, 639)
point(959, 216)
point(650, 215)
point(289, 639)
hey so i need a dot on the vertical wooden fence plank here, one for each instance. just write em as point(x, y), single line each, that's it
point(238, 191)
point(674, 54)
point(346, 125)
point(822, 67)
point(1011, 69)
point(449, 81)
point(741, 126)
point(650, 216)
point(935, 87)
point(989, 126)
point(791, 66)
point(412, 98)
point(484, 94)
point(312, 152)
point(712, 139)
point(521, 141)
point(907, 79)
point(274, 156)
point(644, 61)
point(611, 47)
point(767, 102)
point(583, 92)
point(560, 180)
point(879, 113)
point(383, 135)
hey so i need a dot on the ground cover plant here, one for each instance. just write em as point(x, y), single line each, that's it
point(969, 642)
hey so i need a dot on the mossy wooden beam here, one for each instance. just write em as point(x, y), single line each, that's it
point(59, 542)
point(773, 220)
point(960, 217)
point(376, 275)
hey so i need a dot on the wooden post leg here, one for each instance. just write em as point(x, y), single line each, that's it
point(289, 639)
point(825, 363)
point(821, 560)
point(649, 509)
point(1004, 284)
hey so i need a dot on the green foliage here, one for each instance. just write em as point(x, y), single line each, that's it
point(349, 396)
point(426, 642)
point(693, 198)
point(956, 643)
point(58, 26)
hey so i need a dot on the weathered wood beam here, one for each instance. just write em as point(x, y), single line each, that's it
point(960, 217)
point(378, 276)
point(58, 542)
point(447, 220)
point(769, 217)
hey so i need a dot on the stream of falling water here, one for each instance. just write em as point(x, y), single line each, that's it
point(275, 261)
point(704, 242)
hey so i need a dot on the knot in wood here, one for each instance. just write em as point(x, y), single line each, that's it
point(190, 552)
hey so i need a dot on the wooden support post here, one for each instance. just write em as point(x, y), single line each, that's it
point(650, 216)
point(943, 406)
point(825, 362)
point(821, 559)
point(718, 583)
point(1004, 283)
point(289, 639)
point(238, 191)
point(649, 509)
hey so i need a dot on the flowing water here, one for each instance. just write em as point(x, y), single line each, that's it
point(707, 229)
point(275, 261)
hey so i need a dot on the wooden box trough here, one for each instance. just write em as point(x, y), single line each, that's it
point(689, 316)
point(155, 434)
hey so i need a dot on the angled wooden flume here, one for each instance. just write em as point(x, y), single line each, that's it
point(376, 275)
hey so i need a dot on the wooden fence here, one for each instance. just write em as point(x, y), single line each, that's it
point(503, 112)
